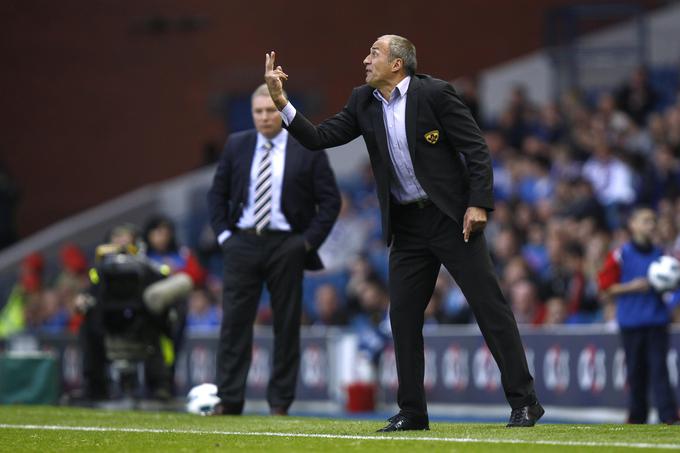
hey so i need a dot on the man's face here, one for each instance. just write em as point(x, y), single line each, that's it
point(266, 116)
point(643, 224)
point(378, 66)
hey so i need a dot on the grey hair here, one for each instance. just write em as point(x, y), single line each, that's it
point(262, 90)
point(401, 47)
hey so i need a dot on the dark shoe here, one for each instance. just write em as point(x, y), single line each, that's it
point(278, 410)
point(675, 422)
point(525, 417)
point(227, 409)
point(402, 423)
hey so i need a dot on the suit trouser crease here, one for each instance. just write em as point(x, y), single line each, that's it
point(250, 262)
point(425, 239)
point(284, 273)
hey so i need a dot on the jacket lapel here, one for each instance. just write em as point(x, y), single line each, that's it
point(291, 160)
point(412, 115)
point(248, 155)
point(379, 127)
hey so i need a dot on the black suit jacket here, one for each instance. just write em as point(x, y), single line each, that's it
point(453, 166)
point(310, 199)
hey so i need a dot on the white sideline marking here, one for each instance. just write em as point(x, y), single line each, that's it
point(470, 440)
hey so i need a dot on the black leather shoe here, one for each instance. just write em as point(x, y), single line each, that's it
point(227, 409)
point(402, 423)
point(278, 410)
point(525, 417)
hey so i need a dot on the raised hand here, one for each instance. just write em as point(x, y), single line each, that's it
point(274, 77)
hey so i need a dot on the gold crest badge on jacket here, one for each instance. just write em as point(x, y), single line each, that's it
point(432, 137)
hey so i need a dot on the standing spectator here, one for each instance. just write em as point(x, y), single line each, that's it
point(642, 317)
point(636, 97)
point(270, 224)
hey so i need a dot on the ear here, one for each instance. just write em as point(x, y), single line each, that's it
point(397, 65)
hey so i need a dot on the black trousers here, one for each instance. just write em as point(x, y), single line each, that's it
point(424, 239)
point(646, 350)
point(250, 262)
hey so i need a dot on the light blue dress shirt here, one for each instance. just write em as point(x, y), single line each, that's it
point(406, 188)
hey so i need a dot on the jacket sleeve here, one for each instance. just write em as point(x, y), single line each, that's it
point(465, 136)
point(335, 131)
point(218, 195)
point(327, 200)
point(611, 271)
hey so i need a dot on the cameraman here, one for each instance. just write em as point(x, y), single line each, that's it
point(127, 308)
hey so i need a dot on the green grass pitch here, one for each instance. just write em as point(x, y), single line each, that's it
point(35, 428)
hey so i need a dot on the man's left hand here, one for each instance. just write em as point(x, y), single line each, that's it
point(474, 220)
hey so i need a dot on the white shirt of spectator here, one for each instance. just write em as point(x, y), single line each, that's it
point(612, 180)
point(278, 152)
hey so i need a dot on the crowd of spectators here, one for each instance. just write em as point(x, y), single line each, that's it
point(566, 174)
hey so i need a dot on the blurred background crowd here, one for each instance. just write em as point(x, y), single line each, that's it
point(566, 175)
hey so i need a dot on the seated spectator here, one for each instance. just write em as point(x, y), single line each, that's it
point(453, 307)
point(71, 281)
point(372, 323)
point(347, 238)
point(556, 311)
point(53, 317)
point(612, 181)
point(22, 307)
point(329, 310)
point(360, 272)
point(203, 315)
point(525, 304)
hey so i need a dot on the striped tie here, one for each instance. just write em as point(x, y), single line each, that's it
point(263, 190)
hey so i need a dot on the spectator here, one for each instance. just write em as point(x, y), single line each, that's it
point(328, 306)
point(452, 307)
point(203, 315)
point(71, 281)
point(22, 307)
point(636, 97)
point(612, 181)
point(556, 311)
point(642, 317)
point(526, 305)
point(372, 324)
point(346, 239)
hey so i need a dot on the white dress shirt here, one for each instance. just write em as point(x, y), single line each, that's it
point(278, 220)
point(407, 187)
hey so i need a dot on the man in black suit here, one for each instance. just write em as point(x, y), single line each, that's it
point(272, 204)
point(434, 180)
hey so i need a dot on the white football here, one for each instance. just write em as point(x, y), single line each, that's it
point(664, 273)
point(202, 399)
